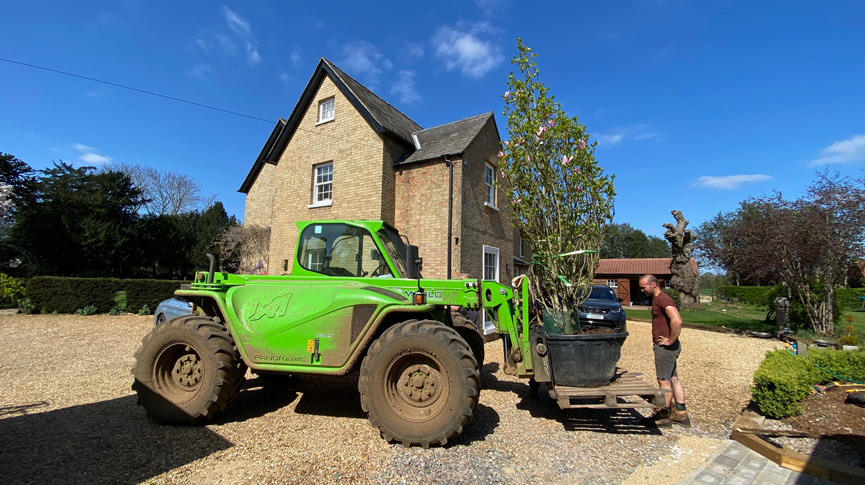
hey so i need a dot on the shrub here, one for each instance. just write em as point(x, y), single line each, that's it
point(674, 294)
point(88, 310)
point(783, 380)
point(11, 290)
point(848, 298)
point(780, 383)
point(26, 306)
point(115, 311)
point(145, 310)
point(66, 295)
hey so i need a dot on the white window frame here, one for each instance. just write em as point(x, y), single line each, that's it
point(667, 284)
point(317, 186)
point(496, 253)
point(322, 113)
point(520, 245)
point(490, 183)
point(613, 283)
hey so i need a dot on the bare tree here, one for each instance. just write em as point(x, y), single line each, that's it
point(166, 192)
point(6, 207)
point(685, 280)
point(244, 249)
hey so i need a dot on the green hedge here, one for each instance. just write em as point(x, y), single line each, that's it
point(66, 295)
point(783, 380)
point(845, 298)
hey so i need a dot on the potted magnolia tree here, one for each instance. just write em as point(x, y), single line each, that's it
point(561, 197)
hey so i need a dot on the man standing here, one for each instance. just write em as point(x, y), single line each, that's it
point(666, 326)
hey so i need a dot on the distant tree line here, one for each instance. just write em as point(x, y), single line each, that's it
point(120, 221)
point(623, 241)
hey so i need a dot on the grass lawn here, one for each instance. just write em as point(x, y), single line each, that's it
point(729, 315)
point(743, 317)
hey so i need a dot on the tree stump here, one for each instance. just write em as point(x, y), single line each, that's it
point(685, 279)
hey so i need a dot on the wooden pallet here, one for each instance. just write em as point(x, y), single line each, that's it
point(606, 397)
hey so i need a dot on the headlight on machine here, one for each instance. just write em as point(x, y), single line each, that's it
point(615, 310)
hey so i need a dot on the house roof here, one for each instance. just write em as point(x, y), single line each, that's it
point(637, 266)
point(448, 139)
point(386, 116)
point(381, 116)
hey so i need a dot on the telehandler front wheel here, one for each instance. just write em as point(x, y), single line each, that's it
point(187, 370)
point(419, 383)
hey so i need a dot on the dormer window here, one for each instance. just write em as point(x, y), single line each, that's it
point(325, 110)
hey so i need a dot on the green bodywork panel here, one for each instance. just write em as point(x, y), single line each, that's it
point(316, 323)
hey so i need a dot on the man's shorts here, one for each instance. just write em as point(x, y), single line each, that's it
point(665, 360)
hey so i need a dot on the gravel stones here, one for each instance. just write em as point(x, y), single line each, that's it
point(67, 414)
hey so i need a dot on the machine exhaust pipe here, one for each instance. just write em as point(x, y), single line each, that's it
point(212, 267)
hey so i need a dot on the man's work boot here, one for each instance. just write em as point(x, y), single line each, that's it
point(676, 417)
point(659, 414)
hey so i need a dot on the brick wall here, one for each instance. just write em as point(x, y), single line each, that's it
point(482, 225)
point(281, 194)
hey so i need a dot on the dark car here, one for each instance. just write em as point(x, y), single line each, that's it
point(175, 306)
point(603, 308)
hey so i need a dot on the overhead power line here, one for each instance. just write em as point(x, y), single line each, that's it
point(136, 89)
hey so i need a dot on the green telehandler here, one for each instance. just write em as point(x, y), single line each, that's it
point(355, 301)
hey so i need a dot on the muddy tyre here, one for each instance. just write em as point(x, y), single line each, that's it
point(187, 370)
point(419, 384)
point(470, 333)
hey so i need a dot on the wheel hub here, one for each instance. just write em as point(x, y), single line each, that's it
point(187, 371)
point(419, 384)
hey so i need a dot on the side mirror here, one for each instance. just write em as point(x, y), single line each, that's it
point(621, 300)
point(413, 263)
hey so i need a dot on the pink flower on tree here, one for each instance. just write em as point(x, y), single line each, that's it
point(552, 123)
point(566, 159)
point(541, 131)
point(507, 94)
point(517, 201)
point(507, 142)
point(501, 154)
point(582, 144)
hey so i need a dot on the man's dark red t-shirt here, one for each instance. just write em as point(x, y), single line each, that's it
point(660, 320)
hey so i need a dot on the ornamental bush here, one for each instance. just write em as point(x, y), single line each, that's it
point(783, 379)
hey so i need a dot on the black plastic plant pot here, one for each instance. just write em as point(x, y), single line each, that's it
point(585, 360)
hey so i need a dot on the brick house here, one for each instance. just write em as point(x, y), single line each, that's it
point(623, 275)
point(344, 153)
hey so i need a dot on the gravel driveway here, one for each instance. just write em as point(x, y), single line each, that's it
point(67, 414)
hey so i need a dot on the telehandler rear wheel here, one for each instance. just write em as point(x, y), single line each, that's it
point(419, 383)
point(187, 370)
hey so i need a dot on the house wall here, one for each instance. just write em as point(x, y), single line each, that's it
point(481, 225)
point(281, 194)
point(421, 212)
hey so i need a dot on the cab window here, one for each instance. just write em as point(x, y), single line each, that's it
point(341, 250)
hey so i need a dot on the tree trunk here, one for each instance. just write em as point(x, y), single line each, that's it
point(685, 279)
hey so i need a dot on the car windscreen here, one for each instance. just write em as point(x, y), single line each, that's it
point(603, 293)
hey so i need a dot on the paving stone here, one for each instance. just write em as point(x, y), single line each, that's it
point(709, 478)
point(728, 461)
point(773, 475)
point(736, 450)
point(737, 480)
point(746, 473)
point(797, 478)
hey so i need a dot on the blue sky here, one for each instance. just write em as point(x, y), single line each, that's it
point(695, 105)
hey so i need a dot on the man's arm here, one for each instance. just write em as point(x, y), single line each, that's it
point(675, 323)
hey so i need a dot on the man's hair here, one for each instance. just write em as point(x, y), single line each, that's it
point(649, 278)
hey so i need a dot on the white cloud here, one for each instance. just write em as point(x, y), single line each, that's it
point(319, 25)
point(404, 87)
point(461, 47)
point(609, 36)
point(728, 182)
point(414, 50)
point(200, 71)
point(364, 59)
point(850, 150)
point(634, 133)
point(487, 7)
point(285, 78)
point(243, 30)
point(90, 156)
point(201, 43)
point(296, 56)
